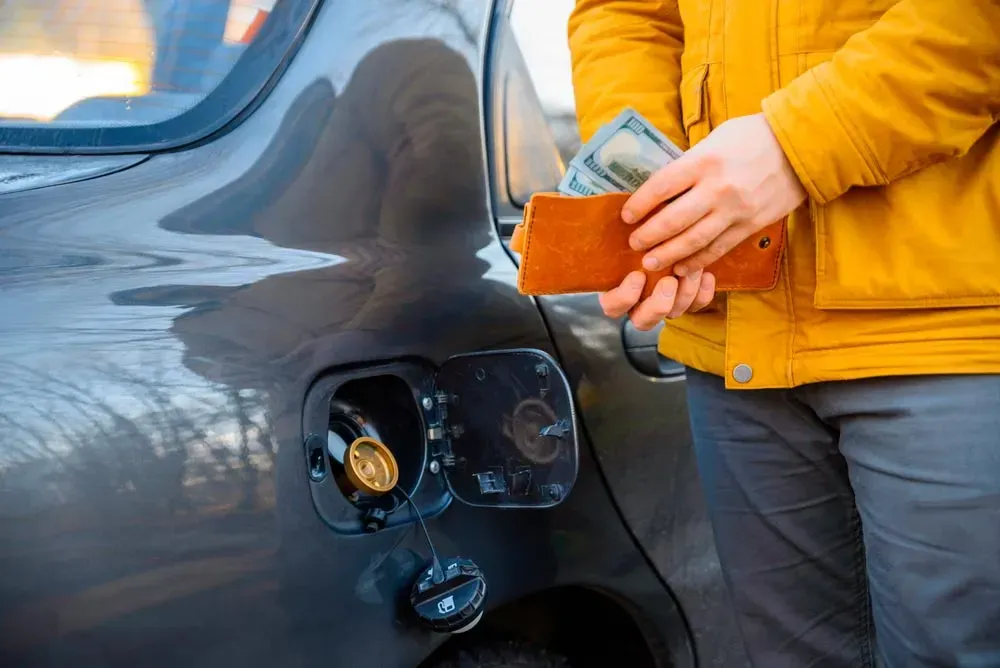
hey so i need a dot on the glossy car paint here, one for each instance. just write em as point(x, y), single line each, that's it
point(161, 324)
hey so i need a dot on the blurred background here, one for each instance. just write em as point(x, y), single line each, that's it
point(67, 62)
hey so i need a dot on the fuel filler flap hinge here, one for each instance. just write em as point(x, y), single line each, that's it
point(439, 430)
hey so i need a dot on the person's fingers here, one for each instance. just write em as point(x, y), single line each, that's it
point(671, 220)
point(706, 292)
point(682, 248)
point(667, 182)
point(617, 302)
point(722, 244)
point(655, 308)
point(687, 290)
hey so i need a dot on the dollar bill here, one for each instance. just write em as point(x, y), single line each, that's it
point(624, 153)
point(578, 184)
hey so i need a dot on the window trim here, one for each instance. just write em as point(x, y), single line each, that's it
point(255, 73)
point(507, 209)
point(494, 122)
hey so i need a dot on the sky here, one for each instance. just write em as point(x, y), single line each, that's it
point(540, 27)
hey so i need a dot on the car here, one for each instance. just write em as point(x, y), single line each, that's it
point(269, 395)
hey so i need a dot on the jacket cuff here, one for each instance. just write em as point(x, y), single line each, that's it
point(817, 139)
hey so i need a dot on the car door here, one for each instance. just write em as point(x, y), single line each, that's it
point(632, 399)
point(230, 230)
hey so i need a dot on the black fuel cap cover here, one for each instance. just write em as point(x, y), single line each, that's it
point(456, 603)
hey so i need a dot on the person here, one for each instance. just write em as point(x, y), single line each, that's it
point(846, 421)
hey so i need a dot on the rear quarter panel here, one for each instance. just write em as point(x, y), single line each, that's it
point(161, 326)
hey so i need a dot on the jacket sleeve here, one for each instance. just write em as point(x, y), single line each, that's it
point(920, 86)
point(627, 53)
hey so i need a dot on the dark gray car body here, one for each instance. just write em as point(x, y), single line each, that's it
point(163, 317)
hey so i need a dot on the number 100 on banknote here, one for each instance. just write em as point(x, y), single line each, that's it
point(619, 158)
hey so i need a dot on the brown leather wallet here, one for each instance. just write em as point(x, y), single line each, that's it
point(580, 244)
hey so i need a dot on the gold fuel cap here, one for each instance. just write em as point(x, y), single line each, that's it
point(370, 466)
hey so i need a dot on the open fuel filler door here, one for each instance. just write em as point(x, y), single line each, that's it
point(501, 427)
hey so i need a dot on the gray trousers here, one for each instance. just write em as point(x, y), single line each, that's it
point(857, 519)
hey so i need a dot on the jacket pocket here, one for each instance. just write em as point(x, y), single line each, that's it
point(694, 104)
point(928, 240)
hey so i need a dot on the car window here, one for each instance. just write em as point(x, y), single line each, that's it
point(537, 134)
point(92, 73)
point(540, 29)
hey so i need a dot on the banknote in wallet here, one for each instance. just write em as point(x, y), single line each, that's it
point(574, 240)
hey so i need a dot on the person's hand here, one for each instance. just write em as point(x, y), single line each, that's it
point(727, 187)
point(671, 298)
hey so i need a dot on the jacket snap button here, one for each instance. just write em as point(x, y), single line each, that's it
point(742, 373)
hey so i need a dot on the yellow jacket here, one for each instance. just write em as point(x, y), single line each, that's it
point(887, 110)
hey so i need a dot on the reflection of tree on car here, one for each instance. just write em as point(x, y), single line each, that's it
point(389, 176)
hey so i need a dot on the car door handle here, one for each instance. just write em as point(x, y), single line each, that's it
point(641, 350)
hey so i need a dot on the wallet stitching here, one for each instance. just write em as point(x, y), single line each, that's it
point(527, 247)
point(775, 265)
point(523, 279)
point(743, 285)
point(529, 228)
